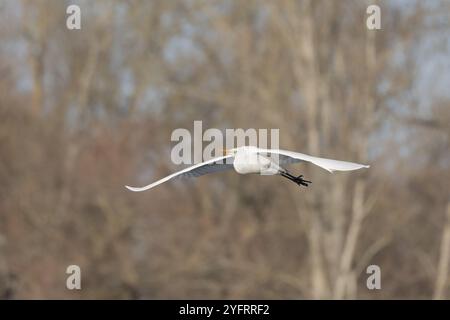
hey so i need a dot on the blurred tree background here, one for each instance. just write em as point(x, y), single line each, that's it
point(84, 112)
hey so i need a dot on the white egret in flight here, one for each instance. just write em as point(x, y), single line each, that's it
point(250, 159)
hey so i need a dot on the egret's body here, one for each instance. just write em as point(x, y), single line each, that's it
point(254, 160)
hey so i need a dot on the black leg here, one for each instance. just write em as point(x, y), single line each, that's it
point(298, 180)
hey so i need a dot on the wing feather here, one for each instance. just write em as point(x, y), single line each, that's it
point(197, 170)
point(327, 164)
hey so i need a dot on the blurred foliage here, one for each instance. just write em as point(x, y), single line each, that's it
point(85, 112)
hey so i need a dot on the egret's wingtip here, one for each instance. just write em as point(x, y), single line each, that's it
point(130, 188)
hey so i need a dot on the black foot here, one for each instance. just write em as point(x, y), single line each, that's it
point(298, 180)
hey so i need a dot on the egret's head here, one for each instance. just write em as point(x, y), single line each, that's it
point(227, 152)
point(240, 149)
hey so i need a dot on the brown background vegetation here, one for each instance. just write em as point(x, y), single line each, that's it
point(85, 112)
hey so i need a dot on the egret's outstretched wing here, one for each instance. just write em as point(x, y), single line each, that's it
point(327, 164)
point(212, 165)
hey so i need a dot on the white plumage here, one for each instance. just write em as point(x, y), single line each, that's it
point(254, 160)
